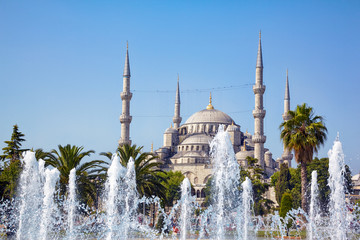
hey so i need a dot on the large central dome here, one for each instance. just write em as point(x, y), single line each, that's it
point(209, 116)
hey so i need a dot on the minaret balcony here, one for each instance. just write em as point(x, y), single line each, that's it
point(259, 138)
point(259, 89)
point(126, 96)
point(177, 119)
point(258, 113)
point(286, 156)
point(125, 119)
point(286, 117)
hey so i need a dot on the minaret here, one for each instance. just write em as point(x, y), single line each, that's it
point(126, 95)
point(259, 112)
point(177, 119)
point(286, 156)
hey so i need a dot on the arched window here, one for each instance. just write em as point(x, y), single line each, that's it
point(192, 192)
point(195, 180)
point(197, 148)
point(203, 193)
point(198, 193)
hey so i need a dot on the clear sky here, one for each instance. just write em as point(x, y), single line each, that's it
point(61, 65)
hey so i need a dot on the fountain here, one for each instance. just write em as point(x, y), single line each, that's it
point(186, 206)
point(245, 210)
point(229, 217)
point(314, 211)
point(337, 205)
point(226, 176)
point(49, 208)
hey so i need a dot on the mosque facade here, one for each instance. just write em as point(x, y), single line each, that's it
point(186, 146)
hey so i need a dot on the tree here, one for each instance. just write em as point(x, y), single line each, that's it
point(256, 174)
point(68, 157)
point(172, 182)
point(13, 149)
point(303, 133)
point(8, 179)
point(148, 179)
point(12, 165)
point(283, 183)
point(285, 207)
point(322, 168)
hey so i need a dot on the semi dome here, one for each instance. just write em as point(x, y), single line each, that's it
point(209, 116)
point(171, 130)
point(197, 139)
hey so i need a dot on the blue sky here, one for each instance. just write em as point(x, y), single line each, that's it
point(61, 65)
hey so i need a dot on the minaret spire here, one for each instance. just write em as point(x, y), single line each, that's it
point(126, 96)
point(287, 156)
point(259, 113)
point(177, 119)
point(259, 61)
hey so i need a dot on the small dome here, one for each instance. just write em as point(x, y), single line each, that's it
point(243, 154)
point(233, 128)
point(171, 130)
point(197, 139)
point(210, 116)
point(268, 153)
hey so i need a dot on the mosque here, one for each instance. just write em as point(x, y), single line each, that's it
point(186, 146)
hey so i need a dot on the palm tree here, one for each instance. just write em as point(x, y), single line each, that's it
point(148, 180)
point(68, 157)
point(304, 133)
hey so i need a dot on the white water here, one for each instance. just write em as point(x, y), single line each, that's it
point(115, 172)
point(337, 205)
point(131, 198)
point(314, 211)
point(49, 207)
point(186, 205)
point(72, 203)
point(226, 177)
point(30, 197)
point(245, 213)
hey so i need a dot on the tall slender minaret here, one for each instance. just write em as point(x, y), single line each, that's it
point(177, 119)
point(287, 156)
point(259, 112)
point(126, 95)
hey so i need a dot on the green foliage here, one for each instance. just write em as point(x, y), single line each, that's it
point(322, 168)
point(172, 183)
point(8, 179)
point(13, 149)
point(286, 204)
point(285, 207)
point(207, 190)
point(303, 133)
point(283, 182)
point(256, 174)
point(89, 174)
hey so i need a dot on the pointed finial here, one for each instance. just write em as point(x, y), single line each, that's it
point(287, 91)
point(210, 106)
point(127, 63)
point(178, 77)
point(152, 146)
point(232, 123)
point(337, 137)
point(259, 61)
point(170, 125)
